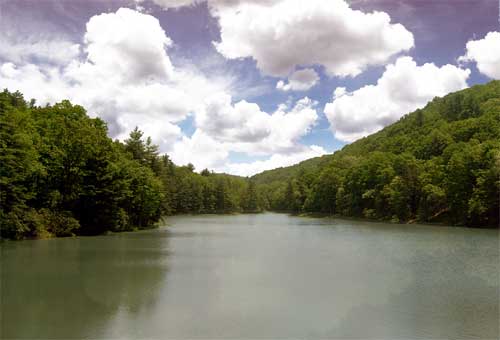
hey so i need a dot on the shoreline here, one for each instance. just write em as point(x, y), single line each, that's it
point(163, 223)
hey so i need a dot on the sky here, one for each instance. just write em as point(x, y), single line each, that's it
point(243, 86)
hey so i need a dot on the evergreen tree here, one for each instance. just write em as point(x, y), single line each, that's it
point(251, 201)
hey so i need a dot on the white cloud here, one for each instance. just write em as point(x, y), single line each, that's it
point(41, 50)
point(402, 88)
point(251, 130)
point(125, 46)
point(127, 78)
point(486, 53)
point(201, 150)
point(243, 127)
point(288, 127)
point(301, 80)
point(275, 161)
point(46, 85)
point(243, 122)
point(204, 151)
point(214, 4)
point(290, 33)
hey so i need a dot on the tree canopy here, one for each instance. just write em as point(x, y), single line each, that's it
point(437, 164)
point(62, 175)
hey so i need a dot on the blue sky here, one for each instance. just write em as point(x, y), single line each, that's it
point(201, 77)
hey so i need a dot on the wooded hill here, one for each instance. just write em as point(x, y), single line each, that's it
point(60, 173)
point(437, 164)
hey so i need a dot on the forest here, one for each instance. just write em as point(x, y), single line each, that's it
point(61, 175)
point(439, 164)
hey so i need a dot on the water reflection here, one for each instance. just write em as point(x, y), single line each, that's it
point(256, 276)
point(73, 288)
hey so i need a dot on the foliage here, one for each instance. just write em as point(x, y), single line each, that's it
point(437, 164)
point(61, 175)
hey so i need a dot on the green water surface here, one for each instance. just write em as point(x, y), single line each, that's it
point(255, 276)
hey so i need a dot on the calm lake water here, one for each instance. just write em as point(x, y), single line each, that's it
point(255, 276)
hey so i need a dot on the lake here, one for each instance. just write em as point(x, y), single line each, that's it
point(255, 276)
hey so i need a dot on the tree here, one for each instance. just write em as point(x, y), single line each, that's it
point(323, 195)
point(399, 199)
point(19, 166)
point(251, 200)
point(435, 164)
point(223, 203)
point(432, 203)
point(135, 146)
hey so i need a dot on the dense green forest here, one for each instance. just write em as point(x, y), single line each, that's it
point(62, 175)
point(437, 164)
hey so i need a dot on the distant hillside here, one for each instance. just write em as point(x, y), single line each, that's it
point(62, 175)
point(439, 163)
point(286, 173)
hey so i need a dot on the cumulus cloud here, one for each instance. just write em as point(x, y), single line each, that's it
point(46, 85)
point(127, 78)
point(486, 53)
point(223, 127)
point(124, 75)
point(289, 33)
point(200, 150)
point(125, 46)
point(242, 122)
point(41, 50)
point(214, 4)
point(275, 161)
point(251, 130)
point(204, 151)
point(402, 88)
point(301, 80)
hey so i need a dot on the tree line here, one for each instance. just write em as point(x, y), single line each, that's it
point(437, 164)
point(61, 175)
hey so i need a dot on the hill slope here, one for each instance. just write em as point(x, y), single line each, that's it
point(62, 175)
point(440, 163)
